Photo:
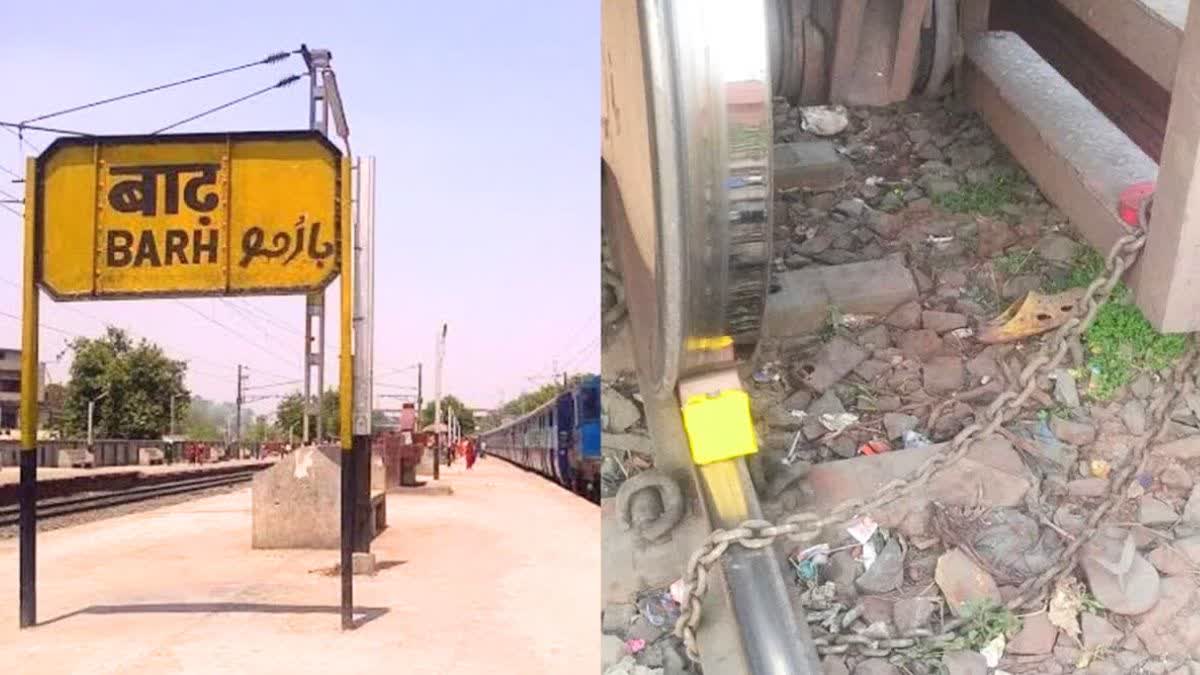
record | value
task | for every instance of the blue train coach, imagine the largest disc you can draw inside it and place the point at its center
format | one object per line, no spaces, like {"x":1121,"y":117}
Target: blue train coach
{"x":560,"y":439}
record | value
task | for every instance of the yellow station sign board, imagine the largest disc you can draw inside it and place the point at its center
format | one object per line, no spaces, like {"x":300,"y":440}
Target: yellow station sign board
{"x":185,"y":215}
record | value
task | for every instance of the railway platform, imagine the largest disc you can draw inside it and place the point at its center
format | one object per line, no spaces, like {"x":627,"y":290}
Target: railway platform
{"x":501,"y":578}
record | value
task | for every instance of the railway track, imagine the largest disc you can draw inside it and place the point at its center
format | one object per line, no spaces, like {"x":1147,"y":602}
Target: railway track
{"x":65,"y":506}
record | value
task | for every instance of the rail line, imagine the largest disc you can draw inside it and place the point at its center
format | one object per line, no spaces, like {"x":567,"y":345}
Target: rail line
{"x":65,"y":506}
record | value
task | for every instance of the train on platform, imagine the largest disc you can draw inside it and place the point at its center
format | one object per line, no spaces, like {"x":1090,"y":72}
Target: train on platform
{"x":559,"y":440}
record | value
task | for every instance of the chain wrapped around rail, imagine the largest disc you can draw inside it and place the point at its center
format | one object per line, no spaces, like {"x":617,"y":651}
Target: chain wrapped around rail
{"x":806,"y":526}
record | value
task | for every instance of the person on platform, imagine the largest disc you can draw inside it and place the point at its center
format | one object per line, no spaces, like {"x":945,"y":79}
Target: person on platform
{"x":482,"y":448}
{"x":469,"y":452}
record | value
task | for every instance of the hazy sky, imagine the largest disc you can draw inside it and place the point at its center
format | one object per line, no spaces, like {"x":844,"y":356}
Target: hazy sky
{"x":482,"y":116}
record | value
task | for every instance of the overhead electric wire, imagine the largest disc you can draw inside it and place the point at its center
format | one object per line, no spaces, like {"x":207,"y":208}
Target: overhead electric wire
{"x":272,"y":319}
{"x":10,"y":172}
{"x":51,"y":130}
{"x":272,"y":384}
{"x":11,"y":210}
{"x":42,"y":325}
{"x":269,"y":59}
{"x":278,"y":85}
{"x":21,"y":137}
{"x":230,"y":330}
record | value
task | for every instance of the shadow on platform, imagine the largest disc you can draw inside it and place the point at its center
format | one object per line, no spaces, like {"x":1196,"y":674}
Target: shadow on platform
{"x":363,"y":615}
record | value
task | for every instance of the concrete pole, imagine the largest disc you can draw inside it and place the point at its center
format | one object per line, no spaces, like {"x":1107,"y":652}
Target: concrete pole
{"x":237,"y":431}
{"x":437,"y":399}
{"x":1168,"y":273}
{"x":91,"y":410}
{"x":314,"y":303}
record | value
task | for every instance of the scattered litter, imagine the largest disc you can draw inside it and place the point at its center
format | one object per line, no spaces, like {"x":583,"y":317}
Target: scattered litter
{"x":791,"y":455}
{"x":678,"y":591}
{"x":1135,"y":491}
{"x":659,"y":608}
{"x":807,"y":563}
{"x":874,"y":448}
{"x":1100,"y":468}
{"x":915,"y":439}
{"x":940,"y":239}
{"x":838,"y":422}
{"x":769,"y":373}
{"x":798,"y":414}
{"x":1139,"y":486}
{"x":872,"y":181}
{"x":963,"y":334}
{"x":862,"y":529}
{"x":1065,"y":606}
{"x":634,"y":645}
{"x":985,"y":379}
{"x":856,"y":320}
{"x":1031,"y":314}
{"x":868,"y":555}
{"x":824,"y":120}
{"x":993,"y":651}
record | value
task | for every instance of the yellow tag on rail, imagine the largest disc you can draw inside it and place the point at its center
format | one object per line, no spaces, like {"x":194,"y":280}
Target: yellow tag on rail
{"x":719,"y":427}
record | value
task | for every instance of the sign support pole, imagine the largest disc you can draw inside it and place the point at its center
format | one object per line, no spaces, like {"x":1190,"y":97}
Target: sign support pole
{"x":346,"y":402}
{"x":29,"y":409}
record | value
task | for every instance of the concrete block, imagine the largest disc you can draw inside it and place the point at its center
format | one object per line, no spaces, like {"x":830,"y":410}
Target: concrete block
{"x":70,"y":458}
{"x":802,"y":304}
{"x":297,"y":502}
{"x":149,"y":456}
{"x":378,"y":473}
{"x":362,"y":563}
{"x":814,"y":165}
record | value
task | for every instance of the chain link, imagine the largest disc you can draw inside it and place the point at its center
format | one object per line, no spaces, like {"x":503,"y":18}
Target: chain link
{"x":805,"y":526}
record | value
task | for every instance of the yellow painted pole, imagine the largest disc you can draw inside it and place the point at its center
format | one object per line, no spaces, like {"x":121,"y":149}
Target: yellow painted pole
{"x":346,"y":401}
{"x":346,"y":362}
{"x":29,"y":406}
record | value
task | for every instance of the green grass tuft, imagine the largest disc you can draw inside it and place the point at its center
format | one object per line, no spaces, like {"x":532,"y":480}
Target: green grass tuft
{"x":984,"y":198}
{"x":1087,"y":265}
{"x":1121,"y":344}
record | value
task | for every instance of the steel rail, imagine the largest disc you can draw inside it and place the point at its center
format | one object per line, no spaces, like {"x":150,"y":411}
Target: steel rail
{"x":64,"y":506}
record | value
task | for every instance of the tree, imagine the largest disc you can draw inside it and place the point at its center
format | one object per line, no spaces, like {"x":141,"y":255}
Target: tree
{"x":289,"y":414}
{"x":466,"y":418}
{"x":136,"y":379}
{"x":205,"y":420}
{"x":530,"y":400}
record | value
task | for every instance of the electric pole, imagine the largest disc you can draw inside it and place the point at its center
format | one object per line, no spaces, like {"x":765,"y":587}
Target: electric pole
{"x":317,"y":61}
{"x":437,"y":401}
{"x":419,"y":402}
{"x":237,"y":433}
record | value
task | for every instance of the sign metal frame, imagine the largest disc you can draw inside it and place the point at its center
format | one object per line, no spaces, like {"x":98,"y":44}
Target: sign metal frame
{"x":61,"y":144}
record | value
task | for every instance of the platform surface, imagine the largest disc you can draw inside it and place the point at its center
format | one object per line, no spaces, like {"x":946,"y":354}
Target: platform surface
{"x":500,"y":579}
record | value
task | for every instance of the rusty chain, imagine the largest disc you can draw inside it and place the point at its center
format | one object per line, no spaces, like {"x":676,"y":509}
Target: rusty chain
{"x":805,"y":526}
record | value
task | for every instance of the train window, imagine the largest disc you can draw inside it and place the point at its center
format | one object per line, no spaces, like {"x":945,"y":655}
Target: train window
{"x":589,"y":403}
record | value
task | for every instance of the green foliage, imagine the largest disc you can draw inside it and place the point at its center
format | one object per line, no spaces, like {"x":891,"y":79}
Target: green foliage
{"x":1086,"y":266}
{"x":984,"y":198}
{"x":1016,"y":262}
{"x":834,"y":325}
{"x":466,"y":418}
{"x":139,"y":380}
{"x":204,"y":420}
{"x":289,"y":414}
{"x":1121,"y":344}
